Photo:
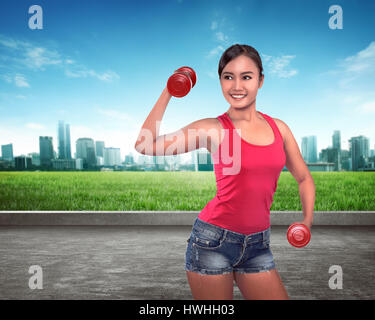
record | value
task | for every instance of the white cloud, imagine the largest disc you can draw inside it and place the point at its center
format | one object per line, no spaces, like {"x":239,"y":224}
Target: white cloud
{"x":38,"y":57}
{"x":280,"y":66}
{"x":35,"y":57}
{"x":362,"y":61}
{"x":11,"y":43}
{"x":20,"y":81}
{"x":218,"y":24}
{"x":359,"y":65}
{"x":33,"y":125}
{"x":106,"y":76}
{"x":221,"y":37}
{"x":215,"y":51}
{"x":82,"y":72}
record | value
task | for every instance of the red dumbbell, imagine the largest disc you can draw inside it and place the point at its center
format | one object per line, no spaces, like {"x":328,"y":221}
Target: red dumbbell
{"x":298,"y":235}
{"x":181,"y":81}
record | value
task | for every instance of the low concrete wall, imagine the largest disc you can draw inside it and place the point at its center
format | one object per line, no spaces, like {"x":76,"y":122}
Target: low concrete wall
{"x":105,"y":218}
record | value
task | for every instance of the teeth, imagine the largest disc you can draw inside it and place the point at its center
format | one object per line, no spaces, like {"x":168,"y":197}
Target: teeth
{"x":237,"y":97}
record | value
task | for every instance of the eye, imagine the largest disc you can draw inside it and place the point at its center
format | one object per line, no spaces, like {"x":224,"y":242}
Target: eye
{"x":226,"y":77}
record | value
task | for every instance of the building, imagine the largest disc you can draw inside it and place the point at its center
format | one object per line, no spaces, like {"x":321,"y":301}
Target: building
{"x":194,"y":159}
{"x":46,"y":151}
{"x":309,"y":149}
{"x":129,"y":159}
{"x":204,"y":160}
{"x":336,"y":140}
{"x":85,"y":150}
{"x":99,"y":148}
{"x":35,"y":158}
{"x":112,"y":157}
{"x":79,"y":164}
{"x":346,"y":160}
{"x":321,"y":166}
{"x":359,"y":149}
{"x":64,"y":164}
{"x":63,"y":137}
{"x":99,"y":161}
{"x":7,"y":152}
{"x":22,"y":162}
{"x":331,"y":155}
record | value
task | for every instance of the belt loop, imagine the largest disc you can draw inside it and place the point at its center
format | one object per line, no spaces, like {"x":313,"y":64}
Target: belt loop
{"x":225,"y":234}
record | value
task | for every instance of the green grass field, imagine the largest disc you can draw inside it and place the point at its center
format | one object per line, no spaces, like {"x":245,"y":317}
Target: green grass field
{"x":187,"y":191}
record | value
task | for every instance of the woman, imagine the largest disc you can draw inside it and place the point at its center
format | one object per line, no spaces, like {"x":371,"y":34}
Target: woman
{"x":230,"y":238}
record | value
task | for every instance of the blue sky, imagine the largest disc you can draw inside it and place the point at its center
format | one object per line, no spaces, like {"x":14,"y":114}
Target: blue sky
{"x":101,"y":66}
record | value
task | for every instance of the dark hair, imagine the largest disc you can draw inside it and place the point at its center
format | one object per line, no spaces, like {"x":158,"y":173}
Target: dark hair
{"x":238,"y":50}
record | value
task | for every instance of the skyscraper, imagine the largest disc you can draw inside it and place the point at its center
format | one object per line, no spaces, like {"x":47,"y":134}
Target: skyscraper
{"x":336,"y":145}
{"x":7,"y":152}
{"x":99,"y":148}
{"x":85,"y":149}
{"x":45,"y":151}
{"x":63,"y":136}
{"x":336,"y":140}
{"x":68,"y":151}
{"x":309,"y":149}
{"x":112,"y":157}
{"x":359,"y":149}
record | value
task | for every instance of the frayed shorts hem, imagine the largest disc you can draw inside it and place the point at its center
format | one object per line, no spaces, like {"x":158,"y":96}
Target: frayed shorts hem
{"x":208,"y":271}
{"x":256,"y":270}
{"x":226,"y":271}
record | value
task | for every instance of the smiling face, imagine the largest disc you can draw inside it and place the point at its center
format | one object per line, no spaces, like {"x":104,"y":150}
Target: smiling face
{"x":240,"y":82}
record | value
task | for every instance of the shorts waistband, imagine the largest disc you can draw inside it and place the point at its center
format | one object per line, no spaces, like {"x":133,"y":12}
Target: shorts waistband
{"x":240,"y":237}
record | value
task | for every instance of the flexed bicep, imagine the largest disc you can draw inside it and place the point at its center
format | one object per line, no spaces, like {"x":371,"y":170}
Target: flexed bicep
{"x":194,"y":136}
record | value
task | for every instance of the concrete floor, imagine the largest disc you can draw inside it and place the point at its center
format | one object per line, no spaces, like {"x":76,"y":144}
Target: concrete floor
{"x":147,"y":262}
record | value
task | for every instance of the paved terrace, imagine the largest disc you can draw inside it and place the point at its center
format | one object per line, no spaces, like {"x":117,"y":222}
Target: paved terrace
{"x":147,"y":261}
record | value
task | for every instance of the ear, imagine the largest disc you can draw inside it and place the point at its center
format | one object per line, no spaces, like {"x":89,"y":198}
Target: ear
{"x":261,"y":81}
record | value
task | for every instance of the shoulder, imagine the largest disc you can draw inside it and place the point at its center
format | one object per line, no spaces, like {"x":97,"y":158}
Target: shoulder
{"x":206,"y":127}
{"x":210,"y":123}
{"x":283,"y":128}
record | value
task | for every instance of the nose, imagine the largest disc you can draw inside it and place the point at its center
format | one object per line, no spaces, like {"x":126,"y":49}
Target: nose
{"x":237,"y":84}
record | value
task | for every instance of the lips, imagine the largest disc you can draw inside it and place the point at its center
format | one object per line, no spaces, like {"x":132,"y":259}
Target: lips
{"x":238,"y":96}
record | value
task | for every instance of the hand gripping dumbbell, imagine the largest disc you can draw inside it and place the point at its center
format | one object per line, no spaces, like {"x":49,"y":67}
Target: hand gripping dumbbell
{"x":298,"y":235}
{"x":181,"y":81}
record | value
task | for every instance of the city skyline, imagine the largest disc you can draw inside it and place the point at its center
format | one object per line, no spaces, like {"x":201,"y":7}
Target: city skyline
{"x":308,"y":148}
{"x":107,"y":62}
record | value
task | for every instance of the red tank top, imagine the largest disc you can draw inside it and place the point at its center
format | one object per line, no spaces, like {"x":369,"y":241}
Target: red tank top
{"x":246,"y":179}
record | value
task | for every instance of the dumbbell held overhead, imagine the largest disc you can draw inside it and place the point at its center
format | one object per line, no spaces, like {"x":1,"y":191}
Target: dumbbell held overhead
{"x":181,"y":81}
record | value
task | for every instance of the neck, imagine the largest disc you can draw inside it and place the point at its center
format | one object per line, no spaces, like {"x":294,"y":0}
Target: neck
{"x":247,"y":113}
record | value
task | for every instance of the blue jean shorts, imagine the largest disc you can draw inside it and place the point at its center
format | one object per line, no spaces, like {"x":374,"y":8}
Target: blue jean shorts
{"x":215,"y":250}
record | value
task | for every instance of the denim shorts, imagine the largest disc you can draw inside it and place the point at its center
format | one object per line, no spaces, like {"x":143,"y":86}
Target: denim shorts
{"x":215,"y":250}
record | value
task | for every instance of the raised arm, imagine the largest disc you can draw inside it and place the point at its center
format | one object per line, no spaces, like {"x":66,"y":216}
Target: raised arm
{"x":193,"y":136}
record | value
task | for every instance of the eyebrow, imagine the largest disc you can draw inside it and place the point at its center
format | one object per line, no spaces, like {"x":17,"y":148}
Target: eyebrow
{"x":240,"y":73}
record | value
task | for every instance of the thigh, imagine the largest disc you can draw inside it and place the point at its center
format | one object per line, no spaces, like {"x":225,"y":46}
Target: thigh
{"x":266,"y":285}
{"x":211,"y":287}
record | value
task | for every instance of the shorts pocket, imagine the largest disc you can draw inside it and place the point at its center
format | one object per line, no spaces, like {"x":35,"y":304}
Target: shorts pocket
{"x":266,"y":243}
{"x":207,"y":239}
